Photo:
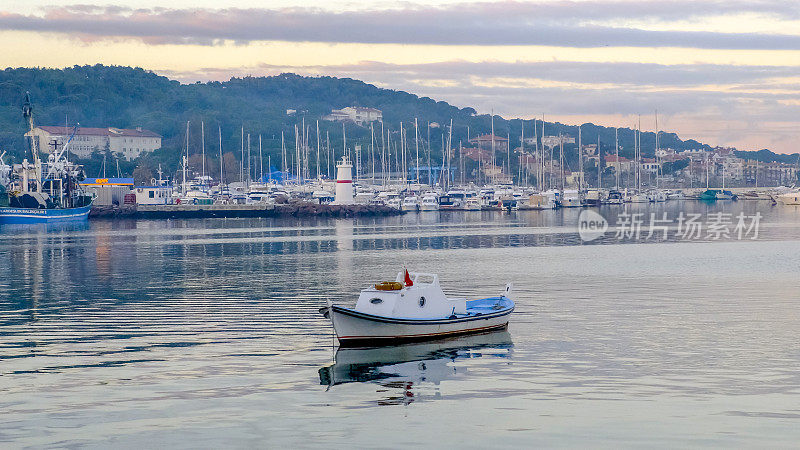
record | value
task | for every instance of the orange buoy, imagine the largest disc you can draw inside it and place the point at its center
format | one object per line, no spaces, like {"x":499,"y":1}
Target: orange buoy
{"x":389,"y":286}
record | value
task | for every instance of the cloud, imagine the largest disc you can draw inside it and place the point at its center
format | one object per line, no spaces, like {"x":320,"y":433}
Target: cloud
{"x":560,"y":23}
{"x":637,"y":78}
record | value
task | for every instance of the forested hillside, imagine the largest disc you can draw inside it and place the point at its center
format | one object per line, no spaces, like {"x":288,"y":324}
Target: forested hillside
{"x":123,"y":97}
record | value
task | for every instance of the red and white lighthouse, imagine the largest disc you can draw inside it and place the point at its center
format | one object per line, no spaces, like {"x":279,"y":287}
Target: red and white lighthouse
{"x":344,"y":183}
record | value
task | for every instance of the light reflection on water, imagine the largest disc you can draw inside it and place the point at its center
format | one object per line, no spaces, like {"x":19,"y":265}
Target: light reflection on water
{"x":179,"y":332}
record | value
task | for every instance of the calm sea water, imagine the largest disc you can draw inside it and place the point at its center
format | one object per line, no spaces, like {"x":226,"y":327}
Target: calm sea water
{"x":206,"y":333}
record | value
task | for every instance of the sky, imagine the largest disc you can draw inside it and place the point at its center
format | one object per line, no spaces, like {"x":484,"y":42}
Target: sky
{"x":725,"y":72}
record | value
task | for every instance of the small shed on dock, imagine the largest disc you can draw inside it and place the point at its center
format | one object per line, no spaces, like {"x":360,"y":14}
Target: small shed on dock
{"x":108,"y":191}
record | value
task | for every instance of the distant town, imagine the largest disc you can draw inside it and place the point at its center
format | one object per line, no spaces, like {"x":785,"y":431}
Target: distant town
{"x":541,"y":158}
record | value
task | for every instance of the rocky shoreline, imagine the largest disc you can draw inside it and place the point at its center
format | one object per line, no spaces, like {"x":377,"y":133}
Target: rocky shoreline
{"x":292,"y":209}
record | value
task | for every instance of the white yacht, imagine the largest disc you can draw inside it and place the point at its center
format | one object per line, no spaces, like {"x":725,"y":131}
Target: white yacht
{"x":410,"y":203}
{"x":430,"y":202}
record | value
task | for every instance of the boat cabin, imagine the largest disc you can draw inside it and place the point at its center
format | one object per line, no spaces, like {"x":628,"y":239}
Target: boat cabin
{"x":153,"y":195}
{"x":424,"y":299}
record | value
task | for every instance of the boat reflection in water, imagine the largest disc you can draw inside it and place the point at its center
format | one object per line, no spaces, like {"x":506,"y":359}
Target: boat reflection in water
{"x":402,"y":366}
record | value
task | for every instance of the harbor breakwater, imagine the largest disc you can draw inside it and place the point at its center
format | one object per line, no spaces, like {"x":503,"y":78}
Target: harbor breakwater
{"x":292,"y":209}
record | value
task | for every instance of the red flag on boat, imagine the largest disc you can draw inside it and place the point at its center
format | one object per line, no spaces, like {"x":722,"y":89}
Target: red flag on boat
{"x":409,"y":283}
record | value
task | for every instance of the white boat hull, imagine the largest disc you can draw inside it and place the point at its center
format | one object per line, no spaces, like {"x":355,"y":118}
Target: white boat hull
{"x":354,"y":328}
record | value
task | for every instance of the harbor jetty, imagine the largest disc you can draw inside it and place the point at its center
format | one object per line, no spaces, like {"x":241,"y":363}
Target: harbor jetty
{"x":291,"y":209}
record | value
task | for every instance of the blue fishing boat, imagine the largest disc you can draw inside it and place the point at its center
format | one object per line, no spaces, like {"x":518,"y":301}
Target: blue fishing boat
{"x":414,"y":308}
{"x":42,"y":191}
{"x":10,"y":215}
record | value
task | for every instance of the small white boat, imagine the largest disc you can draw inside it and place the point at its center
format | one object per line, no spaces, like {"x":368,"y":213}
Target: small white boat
{"x":414,"y":308}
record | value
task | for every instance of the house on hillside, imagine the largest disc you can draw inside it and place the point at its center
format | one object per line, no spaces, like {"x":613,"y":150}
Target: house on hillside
{"x":128,"y":143}
{"x":621,"y":164}
{"x":484,"y":142}
{"x":356,"y":114}
{"x":555,"y":141}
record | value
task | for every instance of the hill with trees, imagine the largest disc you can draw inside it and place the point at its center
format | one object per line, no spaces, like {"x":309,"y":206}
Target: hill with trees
{"x":124,"y":97}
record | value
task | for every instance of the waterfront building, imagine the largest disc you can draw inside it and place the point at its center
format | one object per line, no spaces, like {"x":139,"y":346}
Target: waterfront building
{"x":126,"y":143}
{"x":108,"y":191}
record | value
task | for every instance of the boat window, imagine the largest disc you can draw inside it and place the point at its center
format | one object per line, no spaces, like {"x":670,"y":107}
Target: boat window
{"x":376,"y":301}
{"x":421,"y":302}
{"x":151,"y":194}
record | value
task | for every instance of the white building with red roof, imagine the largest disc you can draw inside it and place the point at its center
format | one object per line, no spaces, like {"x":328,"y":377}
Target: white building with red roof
{"x":126,"y":143}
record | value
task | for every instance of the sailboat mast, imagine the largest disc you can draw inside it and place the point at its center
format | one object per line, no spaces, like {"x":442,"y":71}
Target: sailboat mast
{"x":416,"y":145}
{"x":203,"y":149}
{"x":493,"y":155}
{"x":616,"y":150}
{"x":403,"y":154}
{"x":344,"y":140}
{"x":383,"y":155}
{"x":580,"y":158}
{"x":561,"y":161}
{"x":508,"y":149}
{"x":221,"y":165}
{"x":318,"y":174}
{"x":658,"y":164}
{"x":297,"y":152}
{"x":283,"y":155}
{"x":599,"y":160}
{"x":328,"y":149}
{"x":449,"y":147}
{"x":185,"y":158}
{"x":260,"y":160}
{"x":522,"y":150}
{"x":372,"y":150}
